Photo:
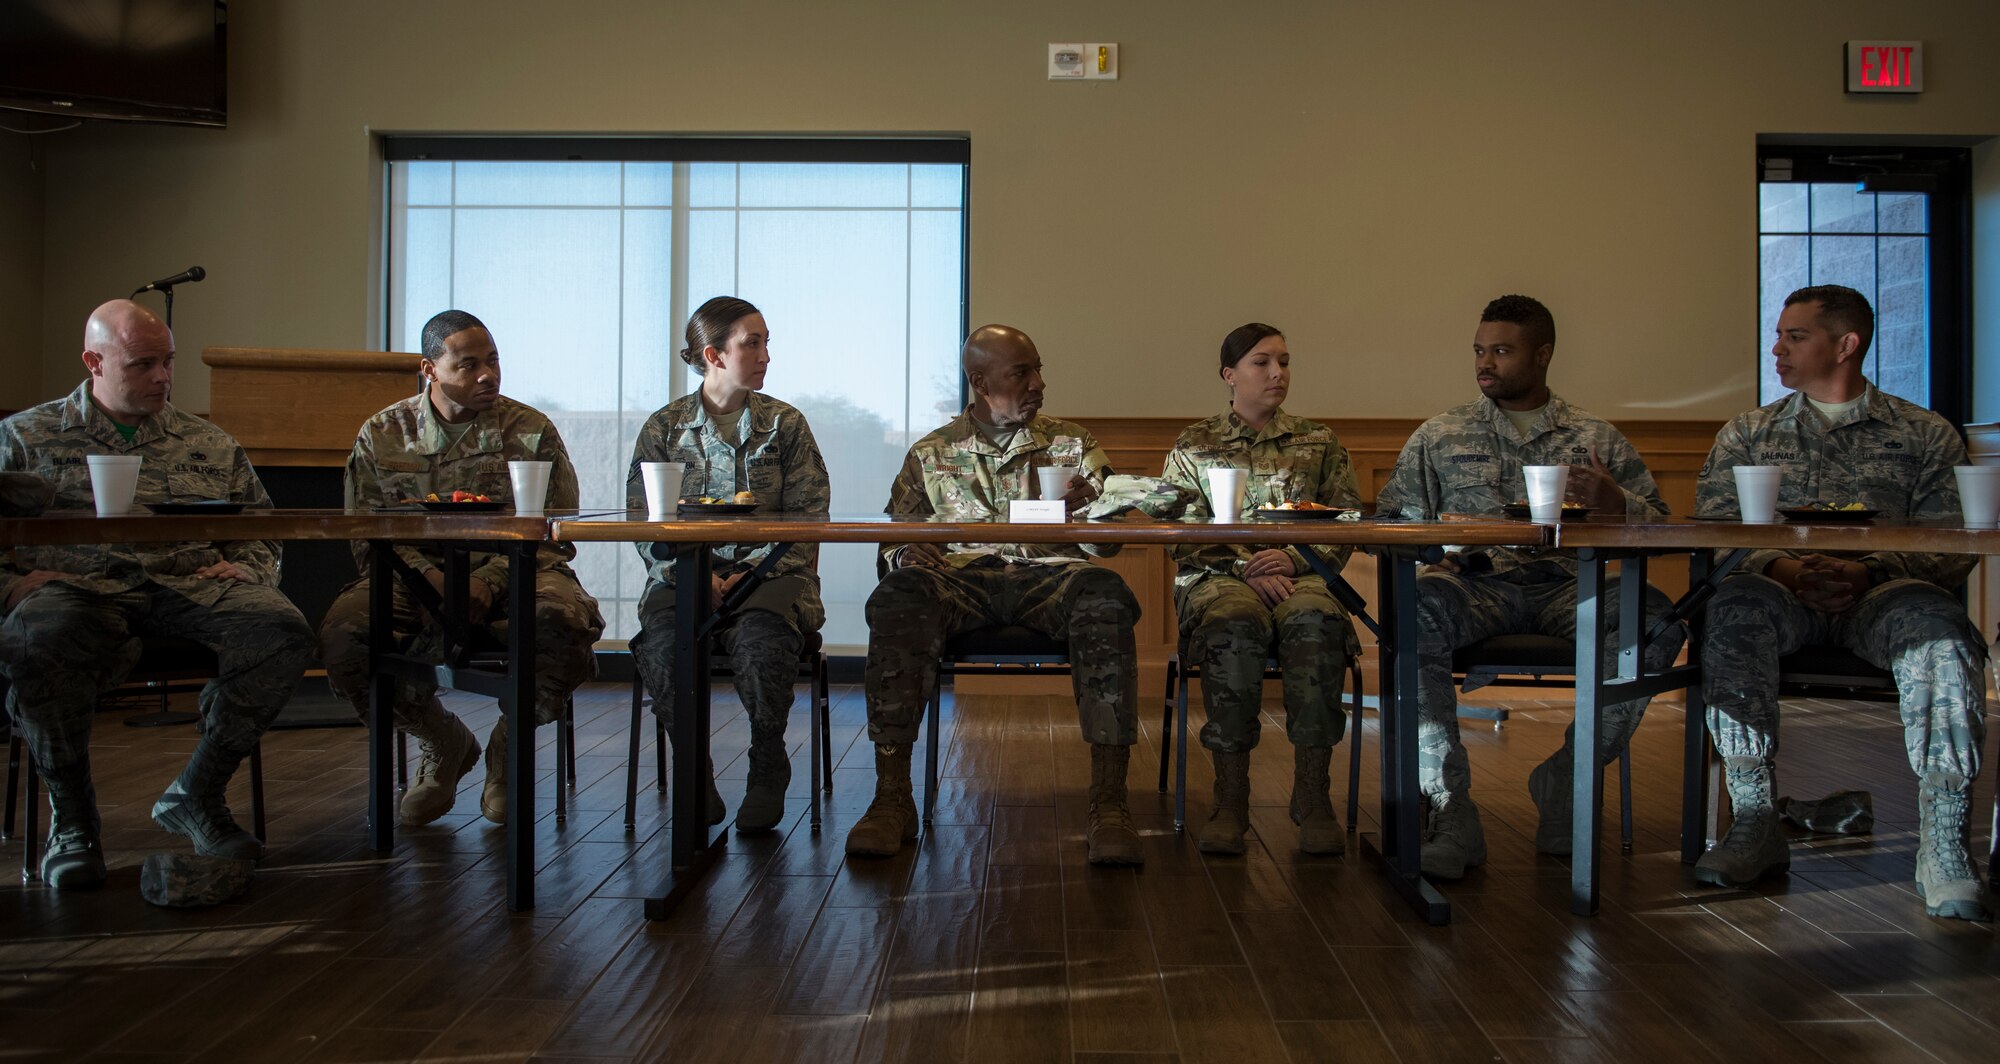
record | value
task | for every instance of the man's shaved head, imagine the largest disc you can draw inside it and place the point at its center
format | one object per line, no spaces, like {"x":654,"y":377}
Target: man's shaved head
{"x":989,"y":342}
{"x":1004,"y":371}
{"x":115,"y":325}
{"x":130,"y":355}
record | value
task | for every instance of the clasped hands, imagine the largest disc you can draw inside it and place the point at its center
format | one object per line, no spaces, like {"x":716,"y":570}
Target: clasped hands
{"x":1822,"y":582}
{"x":1269,"y":574}
{"x":478,"y":594}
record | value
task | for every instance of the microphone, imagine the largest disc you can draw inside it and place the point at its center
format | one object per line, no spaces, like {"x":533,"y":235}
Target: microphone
{"x":187,"y":276}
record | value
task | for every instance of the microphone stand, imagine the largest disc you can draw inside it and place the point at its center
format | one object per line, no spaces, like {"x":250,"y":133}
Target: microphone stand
{"x":165,"y":290}
{"x":164,"y":716}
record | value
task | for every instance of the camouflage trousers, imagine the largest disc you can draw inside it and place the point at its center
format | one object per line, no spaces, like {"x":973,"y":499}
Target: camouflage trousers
{"x":1455,"y":611}
{"x":1228,"y":632}
{"x":913,"y":611}
{"x":566,"y":625}
{"x":65,"y":646}
{"x":762,"y":639}
{"x":1914,"y":629}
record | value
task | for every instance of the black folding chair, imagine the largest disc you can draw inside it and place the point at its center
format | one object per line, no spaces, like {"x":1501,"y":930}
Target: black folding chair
{"x":1530,"y":660}
{"x":1008,"y":649}
{"x":812,"y":668}
{"x":1181,"y":671}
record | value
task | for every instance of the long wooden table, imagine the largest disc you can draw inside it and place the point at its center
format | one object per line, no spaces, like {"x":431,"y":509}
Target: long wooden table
{"x":517,"y":536}
{"x":1630,"y":541}
{"x":1403,"y":545}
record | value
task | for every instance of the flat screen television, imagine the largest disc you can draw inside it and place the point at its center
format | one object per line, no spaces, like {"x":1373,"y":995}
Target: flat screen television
{"x":126,"y":60}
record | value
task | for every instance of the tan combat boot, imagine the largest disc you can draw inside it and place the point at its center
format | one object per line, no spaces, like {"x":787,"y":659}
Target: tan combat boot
{"x":1312,"y":811}
{"x":1231,"y":816}
{"x":891,"y":819}
{"x":1754,"y":848}
{"x":1112,"y":840}
{"x":1455,"y":840}
{"x":493,"y":796}
{"x":449,"y":752}
{"x":1946,"y":879}
{"x":763,"y":803}
{"x":1550,"y":785}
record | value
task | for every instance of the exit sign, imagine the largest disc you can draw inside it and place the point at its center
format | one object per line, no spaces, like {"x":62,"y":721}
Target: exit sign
{"x":1885,"y":66}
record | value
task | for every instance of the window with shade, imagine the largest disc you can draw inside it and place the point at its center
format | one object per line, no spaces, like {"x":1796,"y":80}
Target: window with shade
{"x":585,"y":270}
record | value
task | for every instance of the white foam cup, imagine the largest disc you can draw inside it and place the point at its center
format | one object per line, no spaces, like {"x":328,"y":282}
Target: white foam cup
{"x":663,"y":486}
{"x":1979,"y":494}
{"x":1055,"y":480}
{"x":1225,"y":492}
{"x":531,"y":485}
{"x":1757,"y":492}
{"x":1545,"y":490}
{"x":114,"y":479}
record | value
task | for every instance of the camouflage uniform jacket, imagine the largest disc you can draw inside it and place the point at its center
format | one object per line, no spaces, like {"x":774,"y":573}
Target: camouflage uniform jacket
{"x":956,"y":474}
{"x":1468,"y":460}
{"x":186,"y":459}
{"x":1291,"y":459}
{"x":777,"y":460}
{"x":1887,"y":454}
{"x":404,"y":453}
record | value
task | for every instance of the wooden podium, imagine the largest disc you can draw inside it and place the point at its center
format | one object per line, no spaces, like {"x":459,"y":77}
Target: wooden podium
{"x":297,"y":412}
{"x":300,"y":408}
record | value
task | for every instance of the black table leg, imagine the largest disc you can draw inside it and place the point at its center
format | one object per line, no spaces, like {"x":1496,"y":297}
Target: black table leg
{"x":691,"y":847}
{"x":381,"y":697}
{"x":1587,"y":770}
{"x":1695,"y":809}
{"x":1402,"y":798}
{"x":519,"y":710}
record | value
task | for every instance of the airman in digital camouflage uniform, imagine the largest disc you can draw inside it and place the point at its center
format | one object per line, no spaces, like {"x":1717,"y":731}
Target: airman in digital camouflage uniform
{"x":1468,"y":460}
{"x":970,"y":469}
{"x":1235,"y":600}
{"x":1840,"y":440}
{"x":72,"y":612}
{"x":458,"y":434}
{"x":734,"y":438}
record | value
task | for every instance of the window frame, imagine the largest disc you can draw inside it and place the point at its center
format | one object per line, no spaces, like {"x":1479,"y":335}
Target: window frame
{"x":1949,"y":244}
{"x":473,"y":148}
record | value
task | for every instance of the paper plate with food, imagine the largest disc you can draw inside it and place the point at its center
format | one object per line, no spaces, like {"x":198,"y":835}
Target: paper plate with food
{"x":742,"y":502}
{"x":458,"y":502}
{"x":1306,"y":510}
{"x":1520,"y":508}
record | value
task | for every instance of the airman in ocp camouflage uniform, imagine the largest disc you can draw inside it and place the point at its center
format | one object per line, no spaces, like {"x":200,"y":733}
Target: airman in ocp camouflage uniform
{"x":72,"y":612}
{"x":762,"y":446}
{"x":1468,"y":460}
{"x":1235,"y":601}
{"x":458,"y":434}
{"x":1839,"y":440}
{"x":970,"y":470}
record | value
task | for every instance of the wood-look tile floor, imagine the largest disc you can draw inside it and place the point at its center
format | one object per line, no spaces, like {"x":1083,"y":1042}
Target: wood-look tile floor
{"x":992,"y":939}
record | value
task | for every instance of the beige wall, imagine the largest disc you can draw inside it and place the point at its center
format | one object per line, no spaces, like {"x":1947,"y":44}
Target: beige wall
{"x":1365,"y":175}
{"x":20,"y":270}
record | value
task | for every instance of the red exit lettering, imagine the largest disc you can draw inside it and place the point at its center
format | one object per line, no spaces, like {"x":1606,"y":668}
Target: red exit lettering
{"x":1886,"y":68}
